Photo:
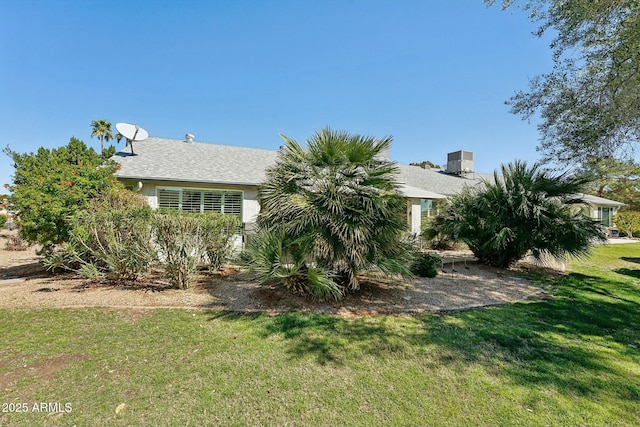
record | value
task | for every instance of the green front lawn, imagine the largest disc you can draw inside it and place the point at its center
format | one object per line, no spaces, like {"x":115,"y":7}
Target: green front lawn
{"x":573,"y":359}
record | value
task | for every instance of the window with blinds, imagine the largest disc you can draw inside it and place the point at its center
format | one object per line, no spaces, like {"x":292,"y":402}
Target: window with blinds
{"x":227,"y":202}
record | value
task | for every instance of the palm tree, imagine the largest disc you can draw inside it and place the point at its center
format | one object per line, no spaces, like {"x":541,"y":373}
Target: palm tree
{"x":340,"y":203}
{"x":101,"y":129}
{"x":526,"y":209}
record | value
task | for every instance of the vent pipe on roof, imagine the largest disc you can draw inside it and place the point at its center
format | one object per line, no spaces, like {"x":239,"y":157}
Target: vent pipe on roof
{"x":189,"y":138}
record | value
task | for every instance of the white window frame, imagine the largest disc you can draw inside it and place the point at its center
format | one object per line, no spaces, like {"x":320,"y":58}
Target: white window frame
{"x":180,"y":191}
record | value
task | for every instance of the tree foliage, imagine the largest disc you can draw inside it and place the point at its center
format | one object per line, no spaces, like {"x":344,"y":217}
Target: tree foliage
{"x":589,"y":103}
{"x":335,"y":208}
{"x":614,"y":179}
{"x":51,"y":185}
{"x":628,"y":222}
{"x":101,"y":129}
{"x":525,"y":209}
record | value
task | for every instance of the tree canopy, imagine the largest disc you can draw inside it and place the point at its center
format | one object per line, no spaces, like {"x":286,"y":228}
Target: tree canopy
{"x":50,"y":185}
{"x":589,"y":103}
{"x":614,"y":179}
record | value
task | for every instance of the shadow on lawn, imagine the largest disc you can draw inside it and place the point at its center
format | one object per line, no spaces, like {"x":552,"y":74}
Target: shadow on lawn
{"x":628,"y":272}
{"x":564,"y":343}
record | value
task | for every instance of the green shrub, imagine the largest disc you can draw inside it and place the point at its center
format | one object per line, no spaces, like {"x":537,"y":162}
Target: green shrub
{"x":52,"y":185}
{"x":110,"y":242}
{"x":526,"y":209}
{"x":179,"y":240}
{"x":342,"y":202}
{"x":628,"y":222}
{"x":425,"y":264}
{"x":273,"y":256}
{"x":434,"y":238}
{"x":218,"y":232}
{"x":3,"y":221}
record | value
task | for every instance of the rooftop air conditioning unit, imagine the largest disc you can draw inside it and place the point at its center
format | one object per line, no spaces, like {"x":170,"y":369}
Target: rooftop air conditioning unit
{"x":460,"y":162}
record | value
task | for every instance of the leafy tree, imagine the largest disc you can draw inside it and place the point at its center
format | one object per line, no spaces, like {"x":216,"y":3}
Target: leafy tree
{"x":51,"y":185}
{"x":589,"y":104}
{"x":628,"y":222}
{"x":526,"y":209}
{"x":426,"y":163}
{"x":101,"y":129}
{"x":614,"y":179}
{"x":335,"y":209}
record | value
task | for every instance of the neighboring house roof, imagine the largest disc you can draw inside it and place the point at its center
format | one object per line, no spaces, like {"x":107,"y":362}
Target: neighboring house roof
{"x":162,"y":159}
{"x":601,"y":201}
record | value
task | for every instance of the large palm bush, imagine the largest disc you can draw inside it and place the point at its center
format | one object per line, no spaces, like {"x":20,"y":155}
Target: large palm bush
{"x":335,"y":211}
{"x":526,"y":209}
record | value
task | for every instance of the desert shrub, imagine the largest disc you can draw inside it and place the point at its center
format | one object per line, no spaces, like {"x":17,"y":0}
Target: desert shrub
{"x":111,"y":242}
{"x":179,"y":240}
{"x":338,"y":198}
{"x":3,"y":221}
{"x":434,"y":238}
{"x":526,"y":209}
{"x":218,"y":232}
{"x":16,"y":243}
{"x":273,"y":257}
{"x":425,"y":264}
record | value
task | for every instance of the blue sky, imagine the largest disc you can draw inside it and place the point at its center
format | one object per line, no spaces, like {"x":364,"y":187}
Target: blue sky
{"x":434,"y":74}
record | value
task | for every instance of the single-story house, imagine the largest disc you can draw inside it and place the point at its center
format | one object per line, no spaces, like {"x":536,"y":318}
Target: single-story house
{"x":202,"y":177}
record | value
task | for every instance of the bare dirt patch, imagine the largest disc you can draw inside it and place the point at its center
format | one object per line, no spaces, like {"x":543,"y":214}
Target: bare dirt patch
{"x":44,"y":369}
{"x":467,"y":286}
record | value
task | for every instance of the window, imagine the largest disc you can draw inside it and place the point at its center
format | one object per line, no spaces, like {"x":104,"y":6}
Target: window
{"x":228,"y":202}
{"x":429,"y":208}
{"x":605,"y":215}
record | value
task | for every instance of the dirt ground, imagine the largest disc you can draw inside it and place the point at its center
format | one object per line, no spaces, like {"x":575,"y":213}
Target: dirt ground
{"x":24,"y":283}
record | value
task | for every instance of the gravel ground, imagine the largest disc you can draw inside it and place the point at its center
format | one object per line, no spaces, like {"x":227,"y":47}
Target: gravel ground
{"x":23,"y":283}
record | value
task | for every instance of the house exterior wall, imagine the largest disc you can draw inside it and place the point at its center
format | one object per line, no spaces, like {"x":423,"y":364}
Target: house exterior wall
{"x":594,"y":211}
{"x":250,"y":202}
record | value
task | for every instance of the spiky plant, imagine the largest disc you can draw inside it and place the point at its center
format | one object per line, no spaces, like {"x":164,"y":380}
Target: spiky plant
{"x":526,"y":209}
{"x":339,"y":195}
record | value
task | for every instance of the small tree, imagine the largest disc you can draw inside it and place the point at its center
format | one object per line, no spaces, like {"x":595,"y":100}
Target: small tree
{"x":526,"y":209}
{"x":101,"y":129}
{"x":51,"y":185}
{"x":628,"y":221}
{"x":340,"y":203}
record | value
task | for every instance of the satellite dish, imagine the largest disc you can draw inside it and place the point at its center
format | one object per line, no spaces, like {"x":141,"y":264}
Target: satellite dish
{"x":132,"y":133}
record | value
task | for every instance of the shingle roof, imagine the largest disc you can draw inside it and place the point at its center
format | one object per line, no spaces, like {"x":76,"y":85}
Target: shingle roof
{"x":174,"y":160}
{"x":419,"y":193}
{"x":437,"y":181}
{"x":595,"y":200}
{"x":162,"y":159}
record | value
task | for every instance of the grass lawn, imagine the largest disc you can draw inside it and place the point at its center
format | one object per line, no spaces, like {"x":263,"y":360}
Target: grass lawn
{"x":570,"y":360}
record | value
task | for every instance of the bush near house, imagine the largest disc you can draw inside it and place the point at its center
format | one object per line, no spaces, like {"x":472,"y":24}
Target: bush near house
{"x":527,"y":209}
{"x":51,"y":185}
{"x":334,"y":210}
{"x":628,"y":222}
{"x":185,"y":241}
{"x":118,"y":236}
{"x":3,"y":220}
{"x":425,"y":264}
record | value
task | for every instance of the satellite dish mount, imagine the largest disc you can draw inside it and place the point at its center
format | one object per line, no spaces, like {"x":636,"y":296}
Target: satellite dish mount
{"x":131,"y":133}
